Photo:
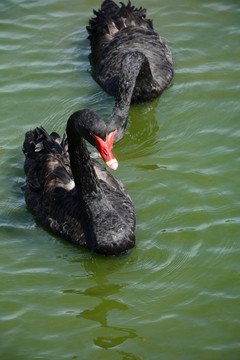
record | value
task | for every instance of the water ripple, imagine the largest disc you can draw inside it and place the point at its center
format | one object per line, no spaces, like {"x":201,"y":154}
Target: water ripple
{"x":179,"y":160}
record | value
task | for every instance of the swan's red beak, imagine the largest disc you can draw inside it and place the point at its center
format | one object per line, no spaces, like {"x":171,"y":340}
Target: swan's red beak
{"x":104,"y":148}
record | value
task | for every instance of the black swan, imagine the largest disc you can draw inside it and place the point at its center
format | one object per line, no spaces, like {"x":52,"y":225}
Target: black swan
{"x":71,"y":194}
{"x":122,"y":39}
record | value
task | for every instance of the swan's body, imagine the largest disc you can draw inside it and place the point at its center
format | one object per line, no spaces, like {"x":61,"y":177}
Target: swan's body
{"x":129,"y":60}
{"x":71,"y":194}
{"x":114,"y":33}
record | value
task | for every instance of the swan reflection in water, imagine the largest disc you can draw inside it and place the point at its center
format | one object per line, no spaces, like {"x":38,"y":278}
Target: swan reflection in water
{"x":108,"y":334}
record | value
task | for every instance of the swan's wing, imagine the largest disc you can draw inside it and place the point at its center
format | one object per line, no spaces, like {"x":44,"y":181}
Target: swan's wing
{"x":50,"y":190}
{"x":109,"y":179}
{"x":116,"y":194}
{"x":47,"y":162}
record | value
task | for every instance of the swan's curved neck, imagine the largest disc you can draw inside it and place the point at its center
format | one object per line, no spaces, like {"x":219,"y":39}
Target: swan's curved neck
{"x":86,"y":181}
{"x":104,"y":229}
{"x":87,"y":185}
{"x":131,"y":65}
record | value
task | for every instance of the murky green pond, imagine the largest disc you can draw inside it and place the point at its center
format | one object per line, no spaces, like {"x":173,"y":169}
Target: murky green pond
{"x":177,"y":294}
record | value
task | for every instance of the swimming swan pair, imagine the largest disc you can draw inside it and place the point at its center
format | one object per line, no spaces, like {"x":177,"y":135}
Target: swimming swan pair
{"x":69,"y":192}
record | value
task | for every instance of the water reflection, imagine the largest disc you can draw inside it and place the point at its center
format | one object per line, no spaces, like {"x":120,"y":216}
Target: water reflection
{"x":109,"y":309}
{"x":113,"y":335}
{"x":139,"y":139}
{"x":143,"y":114}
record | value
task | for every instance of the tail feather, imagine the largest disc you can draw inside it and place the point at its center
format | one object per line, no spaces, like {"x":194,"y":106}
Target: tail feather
{"x":46,"y":160}
{"x":112,"y":18}
{"x":109,"y":7}
{"x":38,"y":140}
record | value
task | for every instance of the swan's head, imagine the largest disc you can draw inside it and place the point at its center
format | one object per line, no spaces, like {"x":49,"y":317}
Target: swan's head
{"x":90,"y":125}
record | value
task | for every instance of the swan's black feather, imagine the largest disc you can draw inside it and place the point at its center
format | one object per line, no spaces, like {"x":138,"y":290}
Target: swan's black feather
{"x":115,"y":31}
{"x":87,"y":219}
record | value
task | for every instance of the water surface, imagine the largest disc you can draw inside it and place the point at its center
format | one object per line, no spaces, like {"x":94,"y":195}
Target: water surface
{"x":176,"y":295}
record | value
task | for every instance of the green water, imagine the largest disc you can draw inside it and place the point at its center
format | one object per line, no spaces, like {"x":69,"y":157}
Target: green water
{"x":177,"y":294}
